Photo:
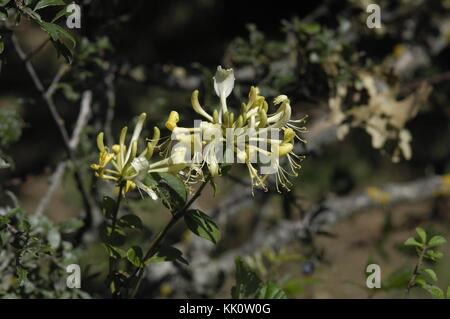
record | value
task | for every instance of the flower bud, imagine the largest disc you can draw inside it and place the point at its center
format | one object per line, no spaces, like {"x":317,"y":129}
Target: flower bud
{"x":172,"y":121}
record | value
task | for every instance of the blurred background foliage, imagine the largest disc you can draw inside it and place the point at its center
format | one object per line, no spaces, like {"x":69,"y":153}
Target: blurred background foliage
{"x":148,"y":56}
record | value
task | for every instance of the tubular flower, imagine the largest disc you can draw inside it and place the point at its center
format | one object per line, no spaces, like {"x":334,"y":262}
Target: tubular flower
{"x":123,"y":164}
{"x":255,"y":135}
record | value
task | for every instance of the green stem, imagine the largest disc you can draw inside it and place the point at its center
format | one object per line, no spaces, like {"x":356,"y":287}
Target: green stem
{"x":162,"y":234}
{"x":416,"y":271}
{"x":116,"y":210}
{"x":112,"y":263}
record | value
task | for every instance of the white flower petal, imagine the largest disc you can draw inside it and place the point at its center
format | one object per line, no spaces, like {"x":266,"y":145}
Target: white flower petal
{"x":223,"y":82}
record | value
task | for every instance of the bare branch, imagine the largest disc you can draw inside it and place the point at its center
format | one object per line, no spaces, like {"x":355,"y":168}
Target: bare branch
{"x":48,"y":98}
{"x":55,"y":179}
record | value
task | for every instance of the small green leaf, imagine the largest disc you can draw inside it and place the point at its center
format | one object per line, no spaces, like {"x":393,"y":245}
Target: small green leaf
{"x":422,"y":234}
{"x":202,"y":225}
{"x":4,"y":221}
{"x":131,"y":221}
{"x":108,"y":207}
{"x":270,"y":291}
{"x":433,"y":255}
{"x":4,"y":2}
{"x":412,"y":242}
{"x":48,"y":3}
{"x":420,"y":281}
{"x":167,"y":253}
{"x":22,"y":275}
{"x":434,"y":291}
{"x":247,"y":281}
{"x":431,"y":274}
{"x":54,"y":238}
{"x":62,"y":13}
{"x":436,"y":241}
{"x":448,"y":292}
{"x":135,"y":255}
{"x":71,"y":225}
{"x":115,"y":252}
{"x":62,"y":40}
{"x":115,"y":239}
{"x":171,"y":190}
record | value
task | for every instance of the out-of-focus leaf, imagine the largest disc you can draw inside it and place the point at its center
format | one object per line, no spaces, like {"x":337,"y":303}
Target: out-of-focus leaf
{"x":431,"y":274}
{"x":171,"y":190}
{"x":247,"y":281}
{"x":167,"y":253}
{"x":422,"y":234}
{"x":62,"y":40}
{"x":436,"y":241}
{"x":130,"y":221}
{"x":202,"y":225}
{"x":135,"y":255}
{"x":108,"y":207}
{"x":48,"y":3}
{"x":270,"y":291}
{"x":412,"y":242}
{"x":71,"y":225}
{"x":434,"y":291}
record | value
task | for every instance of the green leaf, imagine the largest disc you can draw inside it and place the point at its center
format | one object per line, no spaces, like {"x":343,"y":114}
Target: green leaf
{"x":4,"y":2}
{"x":62,"y":13}
{"x":22,"y":275}
{"x":420,"y":281}
{"x":167,"y":253}
{"x":69,"y":92}
{"x":47,"y":3}
{"x":135,"y":255}
{"x":434,"y":291}
{"x":437,"y":241}
{"x":412,"y":242}
{"x":130,"y":221}
{"x":71,"y":225}
{"x":172,"y":191}
{"x":448,"y":292}
{"x":115,"y":252}
{"x":108,"y":207}
{"x":270,"y":291}
{"x":433,"y":255}
{"x":422,"y":234}
{"x":397,"y":279}
{"x":3,"y":221}
{"x":115,"y":239}
{"x":54,"y":238}
{"x":62,"y":40}
{"x":202,"y":225}
{"x":431,"y":274}
{"x":247,"y":281}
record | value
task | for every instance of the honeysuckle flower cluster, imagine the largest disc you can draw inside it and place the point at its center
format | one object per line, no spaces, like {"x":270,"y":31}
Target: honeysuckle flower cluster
{"x":251,"y":137}
{"x":124,"y":165}
{"x":254,"y":137}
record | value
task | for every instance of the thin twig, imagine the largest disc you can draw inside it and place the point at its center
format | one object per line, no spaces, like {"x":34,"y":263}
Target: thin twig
{"x":416,"y":271}
{"x":38,"y":49}
{"x":56,"y":178}
{"x":48,"y":98}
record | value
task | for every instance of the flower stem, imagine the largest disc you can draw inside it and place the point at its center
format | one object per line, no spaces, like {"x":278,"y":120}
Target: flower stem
{"x":112,"y":263}
{"x":162,"y":234}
